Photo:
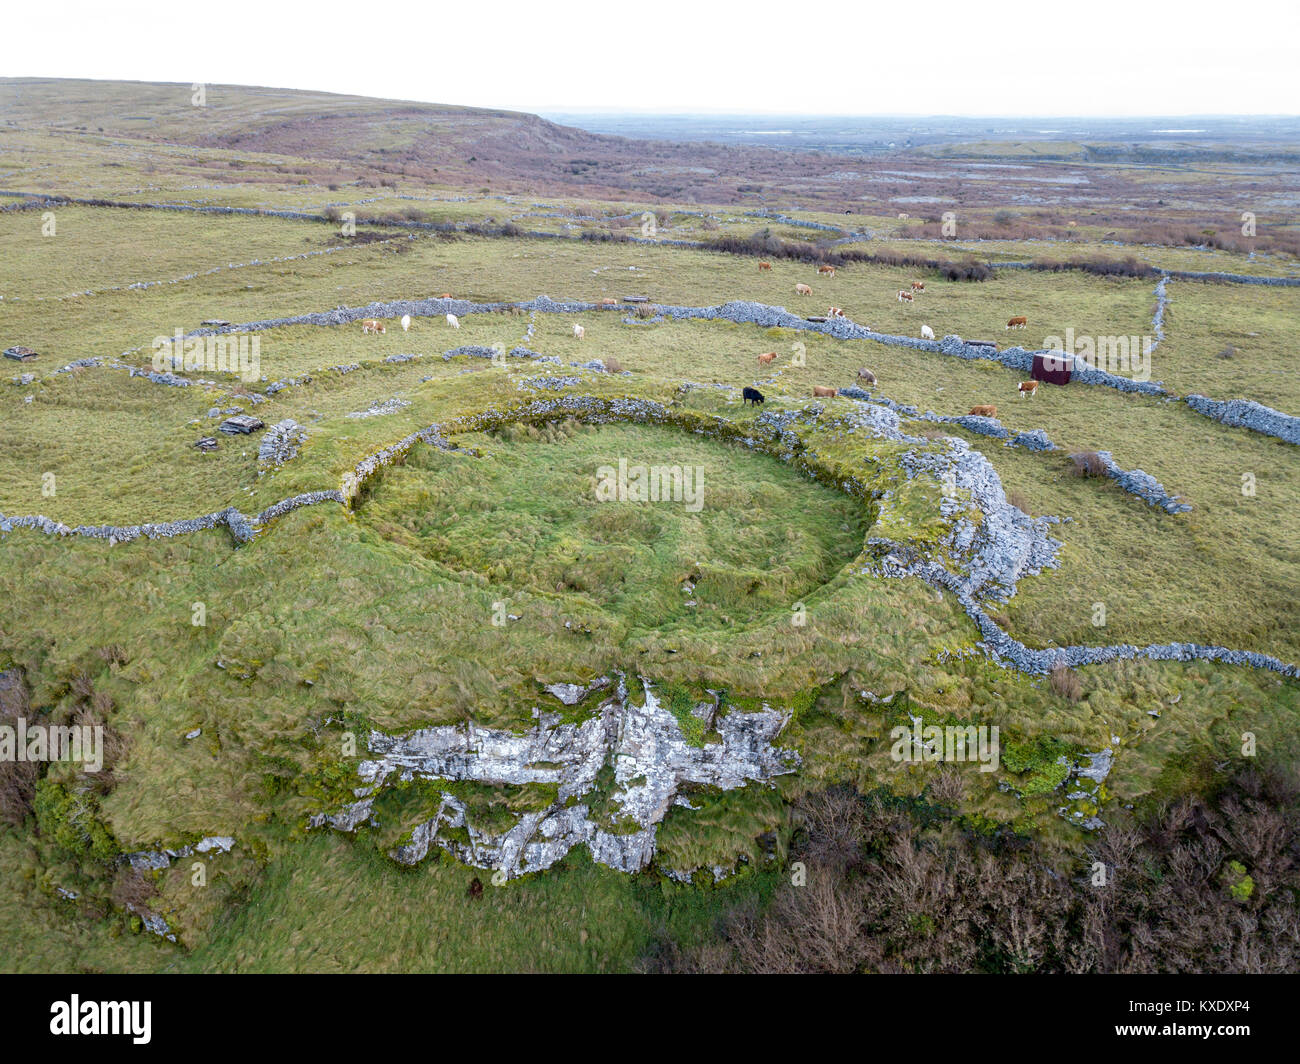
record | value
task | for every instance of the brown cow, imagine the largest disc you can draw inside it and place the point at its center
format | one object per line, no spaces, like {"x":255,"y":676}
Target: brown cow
{"x":372,"y":325}
{"x":823,"y":392}
{"x":763,"y":265}
{"x":1028,"y":388}
{"x":826,"y":269}
{"x":865,"y":374}
{"x":904,"y":297}
{"x":445,"y":295}
{"x":1017,"y":323}
{"x":609,"y":302}
{"x":918,"y":286}
{"x":834,"y":312}
{"x":803,"y":290}
{"x":769,"y":357}
{"x":983,"y":411}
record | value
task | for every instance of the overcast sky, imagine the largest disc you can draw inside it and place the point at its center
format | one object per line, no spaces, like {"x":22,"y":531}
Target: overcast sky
{"x":1032,"y":57}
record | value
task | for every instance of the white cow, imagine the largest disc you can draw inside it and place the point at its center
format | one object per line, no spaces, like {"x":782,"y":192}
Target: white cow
{"x":453,"y":321}
{"x":579,"y":331}
{"x":406,"y":322}
{"x":927,"y":333}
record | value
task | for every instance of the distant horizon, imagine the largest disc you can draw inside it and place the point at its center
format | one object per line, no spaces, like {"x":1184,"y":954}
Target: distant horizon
{"x":971,"y":116}
{"x":720,"y":58}
{"x":572,"y":110}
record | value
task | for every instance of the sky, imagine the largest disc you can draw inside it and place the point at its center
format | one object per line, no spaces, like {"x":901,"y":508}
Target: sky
{"x":1006,"y":57}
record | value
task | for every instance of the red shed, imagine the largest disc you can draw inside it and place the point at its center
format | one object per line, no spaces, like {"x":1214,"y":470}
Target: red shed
{"x":1053,"y":367}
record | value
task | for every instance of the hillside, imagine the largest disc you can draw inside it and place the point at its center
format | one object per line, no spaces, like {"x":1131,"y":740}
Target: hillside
{"x":478,"y":548}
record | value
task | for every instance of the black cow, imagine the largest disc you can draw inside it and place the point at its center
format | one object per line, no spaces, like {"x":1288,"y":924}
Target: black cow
{"x":752,"y":395}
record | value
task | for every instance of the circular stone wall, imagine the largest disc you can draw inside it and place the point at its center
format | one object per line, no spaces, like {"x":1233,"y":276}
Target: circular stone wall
{"x":655,"y":526}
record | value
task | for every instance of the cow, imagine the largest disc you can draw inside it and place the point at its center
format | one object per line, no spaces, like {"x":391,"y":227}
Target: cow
{"x":904,"y":297}
{"x":903,"y":216}
{"x":751,"y":395}
{"x":834,"y":312}
{"x":579,"y":331}
{"x":767,"y":358}
{"x":918,"y":286}
{"x":453,"y":321}
{"x":865,"y":374}
{"x":373,"y":325}
{"x":764,"y":265}
{"x":983,"y":411}
{"x":1028,"y":389}
{"x":802,"y":290}
{"x":927,"y":333}
{"x":824,"y":392}
{"x":406,"y":323}
{"x":1017,"y":323}
{"x":609,"y":302}
{"x":476,"y":888}
{"x":827,"y":269}
{"x":445,"y":295}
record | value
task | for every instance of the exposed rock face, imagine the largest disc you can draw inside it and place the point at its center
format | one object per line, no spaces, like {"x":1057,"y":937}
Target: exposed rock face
{"x":281,"y":443}
{"x":643,"y":744}
{"x":240,"y":423}
{"x":1143,"y":485}
{"x":1247,"y":414}
{"x":378,"y":409}
{"x":1005,"y":544}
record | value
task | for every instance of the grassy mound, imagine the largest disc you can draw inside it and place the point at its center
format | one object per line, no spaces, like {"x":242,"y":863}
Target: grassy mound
{"x":738,"y":535}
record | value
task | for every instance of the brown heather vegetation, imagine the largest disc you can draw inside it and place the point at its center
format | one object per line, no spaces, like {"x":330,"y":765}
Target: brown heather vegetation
{"x":1065,"y":682}
{"x":895,"y":885}
{"x":1088,"y":464}
{"x":17,"y":778}
{"x":764,"y":244}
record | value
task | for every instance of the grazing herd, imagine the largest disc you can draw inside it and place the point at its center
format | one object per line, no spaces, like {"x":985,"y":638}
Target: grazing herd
{"x":1027,"y":389}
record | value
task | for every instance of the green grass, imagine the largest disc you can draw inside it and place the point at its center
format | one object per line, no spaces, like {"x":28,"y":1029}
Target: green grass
{"x":1255,"y":321}
{"x":527,"y":515}
{"x":382,"y":616}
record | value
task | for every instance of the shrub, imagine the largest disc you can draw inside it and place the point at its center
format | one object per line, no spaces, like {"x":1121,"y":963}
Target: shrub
{"x":1064,"y":682}
{"x":71,"y":821}
{"x":17,"y":778}
{"x":1088,"y":464}
{"x":1198,"y":884}
{"x":613,"y":365}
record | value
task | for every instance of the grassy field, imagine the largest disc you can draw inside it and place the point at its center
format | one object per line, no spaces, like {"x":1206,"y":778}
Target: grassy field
{"x":380,"y":614}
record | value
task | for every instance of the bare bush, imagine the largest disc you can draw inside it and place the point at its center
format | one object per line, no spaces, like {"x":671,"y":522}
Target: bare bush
{"x":1064,"y":681}
{"x":1198,"y":884}
{"x":17,"y":778}
{"x":1088,"y":464}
